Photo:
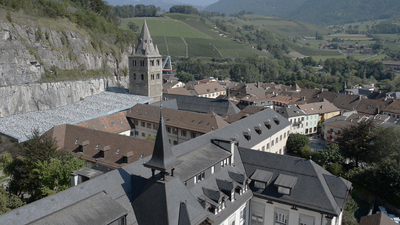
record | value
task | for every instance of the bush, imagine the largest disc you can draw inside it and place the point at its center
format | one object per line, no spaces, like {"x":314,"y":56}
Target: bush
{"x":296,"y":142}
{"x":305,"y":151}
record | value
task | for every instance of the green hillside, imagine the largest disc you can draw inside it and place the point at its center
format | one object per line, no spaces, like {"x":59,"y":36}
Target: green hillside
{"x":344,"y":11}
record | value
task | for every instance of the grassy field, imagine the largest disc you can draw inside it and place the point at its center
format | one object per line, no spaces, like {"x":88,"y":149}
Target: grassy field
{"x":184,"y":35}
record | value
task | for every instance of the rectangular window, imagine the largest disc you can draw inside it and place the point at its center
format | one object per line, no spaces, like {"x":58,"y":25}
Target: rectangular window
{"x":272,"y":143}
{"x":243,"y":214}
{"x":169,"y":129}
{"x":260,"y":185}
{"x":143,"y":124}
{"x":268,"y":146}
{"x":276,"y":140}
{"x":134,"y":62}
{"x":155,"y":126}
{"x":136,"y":133}
{"x":193,"y":135}
{"x":183,"y":133}
{"x":149,"y":125}
{"x":212,"y":169}
{"x":306,"y":220}
{"x":158,"y":76}
{"x":284,"y":135}
{"x":281,"y":217}
{"x":263,"y":148}
{"x":175,"y":142}
{"x":175,"y":131}
{"x":143,"y":135}
{"x":280,"y":138}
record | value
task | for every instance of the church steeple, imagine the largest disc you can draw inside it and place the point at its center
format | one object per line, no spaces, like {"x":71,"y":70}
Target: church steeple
{"x":146,"y":46}
{"x":162,"y":159}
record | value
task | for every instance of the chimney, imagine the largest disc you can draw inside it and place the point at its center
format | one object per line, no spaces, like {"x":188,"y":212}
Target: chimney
{"x":83,"y":146}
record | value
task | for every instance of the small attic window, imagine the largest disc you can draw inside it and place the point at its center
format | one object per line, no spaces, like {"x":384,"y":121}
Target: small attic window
{"x":95,"y":128}
{"x":121,"y":121}
{"x":247,"y":136}
{"x":118,"y":150}
{"x":267,"y":125}
{"x":258,"y":130}
{"x":113,"y":123}
{"x":276,"y":121}
{"x":104,"y":125}
{"x":97,"y":146}
{"x":77,"y":140}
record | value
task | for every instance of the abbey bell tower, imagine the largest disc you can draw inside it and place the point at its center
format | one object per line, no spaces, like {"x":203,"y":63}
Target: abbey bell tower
{"x":145,"y":68}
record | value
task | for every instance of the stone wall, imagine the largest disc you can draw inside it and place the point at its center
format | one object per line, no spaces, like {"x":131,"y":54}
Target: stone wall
{"x":15,"y":99}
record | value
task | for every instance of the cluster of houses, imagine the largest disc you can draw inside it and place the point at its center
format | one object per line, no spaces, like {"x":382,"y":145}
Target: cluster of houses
{"x":208,"y":152}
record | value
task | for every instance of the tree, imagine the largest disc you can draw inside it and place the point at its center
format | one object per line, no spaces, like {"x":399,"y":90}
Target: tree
{"x":133,"y":26}
{"x":8,"y":201}
{"x":184,"y":77}
{"x":356,"y":142}
{"x":38,"y":159}
{"x":55,"y":175}
{"x":296,"y":142}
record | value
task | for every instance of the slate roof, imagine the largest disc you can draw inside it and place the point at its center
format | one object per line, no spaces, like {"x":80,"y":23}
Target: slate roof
{"x":162,"y":158}
{"x":97,"y":209}
{"x":114,"y":123}
{"x":241,"y":90}
{"x":290,"y":111}
{"x":203,"y":105}
{"x":372,"y":106}
{"x":203,"y":123}
{"x":70,"y":137}
{"x":393,"y":107}
{"x":248,"y":111}
{"x":262,"y":175}
{"x":341,"y":101}
{"x":312,"y":190}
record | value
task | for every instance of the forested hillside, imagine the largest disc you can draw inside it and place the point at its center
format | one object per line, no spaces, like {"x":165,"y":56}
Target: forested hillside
{"x":322,"y":12}
{"x":260,"y":7}
{"x":344,"y":11}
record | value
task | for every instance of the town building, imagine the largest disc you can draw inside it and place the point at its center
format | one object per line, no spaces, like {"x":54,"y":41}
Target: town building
{"x":295,"y":116}
{"x":207,"y":90}
{"x":145,"y":68}
{"x":312,"y":118}
{"x":207,"y":180}
{"x":181,"y":125}
{"x":203,"y":105}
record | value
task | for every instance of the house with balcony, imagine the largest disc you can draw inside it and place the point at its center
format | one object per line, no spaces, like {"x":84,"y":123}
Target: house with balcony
{"x":295,"y":116}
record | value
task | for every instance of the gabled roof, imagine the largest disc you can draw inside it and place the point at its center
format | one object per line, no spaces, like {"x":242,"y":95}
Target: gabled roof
{"x":70,"y":137}
{"x":262,"y":175}
{"x":341,"y":101}
{"x":393,"y":107}
{"x":97,"y":209}
{"x":162,"y":158}
{"x":203,"y":105}
{"x":177,"y":91}
{"x":114,"y":123}
{"x":248,"y":111}
{"x":312,"y":190}
{"x":290,"y":111}
{"x":199,"y":122}
{"x":207,"y":88}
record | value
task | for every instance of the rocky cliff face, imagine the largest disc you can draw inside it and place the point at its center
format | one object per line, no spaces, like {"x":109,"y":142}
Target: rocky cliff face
{"x":30,"y":47}
{"x":17,"y":99}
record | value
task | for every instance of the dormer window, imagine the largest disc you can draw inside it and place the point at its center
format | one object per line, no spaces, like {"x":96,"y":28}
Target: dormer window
{"x":258,"y":184}
{"x":77,"y":140}
{"x":276,"y":121}
{"x":267,"y":125}
{"x":285,"y":184}
{"x":247,"y":136}
{"x":258,"y":130}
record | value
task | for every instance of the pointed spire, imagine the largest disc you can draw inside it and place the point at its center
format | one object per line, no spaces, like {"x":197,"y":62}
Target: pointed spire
{"x":145,"y":46}
{"x":162,"y":159}
{"x":183,"y":215}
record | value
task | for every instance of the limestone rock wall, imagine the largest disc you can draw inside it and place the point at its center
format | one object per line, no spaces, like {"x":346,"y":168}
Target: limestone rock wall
{"x":15,"y":99}
{"x":30,"y":47}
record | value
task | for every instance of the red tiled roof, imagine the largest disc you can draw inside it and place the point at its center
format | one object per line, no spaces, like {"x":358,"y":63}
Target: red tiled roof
{"x":70,"y":137}
{"x":177,"y":118}
{"x":114,"y":123}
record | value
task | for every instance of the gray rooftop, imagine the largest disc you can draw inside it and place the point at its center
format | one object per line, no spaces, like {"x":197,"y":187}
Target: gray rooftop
{"x":97,"y":209}
{"x":21,"y":126}
{"x":286,"y":181}
{"x":262,"y":175}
